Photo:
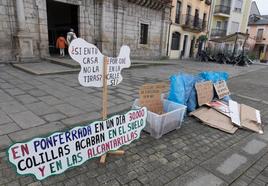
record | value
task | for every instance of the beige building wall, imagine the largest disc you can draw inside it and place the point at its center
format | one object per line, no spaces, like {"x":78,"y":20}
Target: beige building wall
{"x":233,"y":17}
{"x":247,"y":9}
{"x":195,"y":4}
{"x":259,"y":45}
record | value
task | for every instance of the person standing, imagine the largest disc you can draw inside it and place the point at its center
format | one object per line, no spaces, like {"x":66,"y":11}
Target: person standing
{"x":71,"y":36}
{"x":61,"y":44}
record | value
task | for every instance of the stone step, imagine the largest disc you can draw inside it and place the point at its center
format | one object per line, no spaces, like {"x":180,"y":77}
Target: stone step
{"x":66,"y":61}
{"x":44,"y":68}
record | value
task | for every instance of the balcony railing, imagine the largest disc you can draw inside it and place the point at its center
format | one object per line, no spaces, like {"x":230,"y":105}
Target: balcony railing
{"x":218,"y":32}
{"x":192,"y":23}
{"x":259,"y":38}
{"x":221,"y":9}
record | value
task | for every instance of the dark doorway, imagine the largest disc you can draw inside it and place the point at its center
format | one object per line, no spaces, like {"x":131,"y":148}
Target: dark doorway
{"x":260,"y":51}
{"x":184,"y":46}
{"x":192,"y":47}
{"x":60,"y":18}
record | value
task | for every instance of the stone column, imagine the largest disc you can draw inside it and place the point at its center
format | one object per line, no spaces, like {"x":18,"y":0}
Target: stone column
{"x":24,"y":39}
{"x":20,"y":15}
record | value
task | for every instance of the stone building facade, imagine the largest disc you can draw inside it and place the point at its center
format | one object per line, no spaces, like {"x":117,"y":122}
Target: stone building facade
{"x":29,"y":28}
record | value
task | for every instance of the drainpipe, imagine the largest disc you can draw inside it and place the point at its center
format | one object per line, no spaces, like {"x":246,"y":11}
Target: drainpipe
{"x":170,"y":23}
{"x":209,"y":21}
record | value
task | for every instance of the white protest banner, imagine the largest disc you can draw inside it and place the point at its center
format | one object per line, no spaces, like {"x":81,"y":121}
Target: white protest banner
{"x":56,"y":153}
{"x":91,"y":61}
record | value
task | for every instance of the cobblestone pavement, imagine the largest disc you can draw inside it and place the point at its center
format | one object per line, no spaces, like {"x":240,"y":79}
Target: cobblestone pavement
{"x":195,"y":154}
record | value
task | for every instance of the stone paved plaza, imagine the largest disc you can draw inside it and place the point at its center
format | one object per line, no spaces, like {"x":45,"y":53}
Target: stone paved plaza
{"x":195,"y":154}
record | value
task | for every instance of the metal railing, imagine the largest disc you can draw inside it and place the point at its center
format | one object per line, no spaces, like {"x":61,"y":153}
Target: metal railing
{"x":193,"y":23}
{"x":218,"y":32}
{"x":259,"y":38}
{"x":222,"y":9}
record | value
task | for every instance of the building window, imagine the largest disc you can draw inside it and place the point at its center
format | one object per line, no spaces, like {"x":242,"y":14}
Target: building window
{"x":238,"y":5}
{"x":218,"y":25}
{"x":204,"y":21}
{"x":259,"y":34}
{"x":176,"y":38}
{"x":234,"y":27}
{"x":144,"y":34}
{"x":225,"y":25}
{"x":178,"y":12}
{"x":188,"y":15}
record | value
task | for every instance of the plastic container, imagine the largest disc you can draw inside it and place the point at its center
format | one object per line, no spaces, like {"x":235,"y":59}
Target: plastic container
{"x":158,"y":125}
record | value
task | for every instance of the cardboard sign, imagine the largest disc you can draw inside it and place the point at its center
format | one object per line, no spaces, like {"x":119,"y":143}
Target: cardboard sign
{"x":214,"y":119}
{"x":221,"y":89}
{"x":150,"y":96}
{"x":56,"y":153}
{"x":204,"y":92}
{"x":91,"y":61}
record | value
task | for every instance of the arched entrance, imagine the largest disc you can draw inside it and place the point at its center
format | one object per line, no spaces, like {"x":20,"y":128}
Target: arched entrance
{"x":60,"y":18}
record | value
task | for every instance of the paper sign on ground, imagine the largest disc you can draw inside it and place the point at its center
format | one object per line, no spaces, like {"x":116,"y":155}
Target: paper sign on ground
{"x":220,"y":106}
{"x":204,"y":92}
{"x":150,"y":96}
{"x":221,"y":89}
{"x":234,"y":108}
{"x":214,"y":119}
{"x":91,"y":61}
{"x":56,"y":153}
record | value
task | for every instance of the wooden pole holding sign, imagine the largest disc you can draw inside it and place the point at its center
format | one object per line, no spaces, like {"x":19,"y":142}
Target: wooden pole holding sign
{"x":105,"y":106}
{"x":104,"y":98}
{"x":104,"y":89}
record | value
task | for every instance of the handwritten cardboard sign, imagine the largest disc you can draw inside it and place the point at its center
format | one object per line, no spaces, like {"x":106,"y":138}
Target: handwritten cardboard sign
{"x":204,"y":92}
{"x":221,"y":89}
{"x":150,"y":96}
{"x":56,"y":153}
{"x":91,"y":61}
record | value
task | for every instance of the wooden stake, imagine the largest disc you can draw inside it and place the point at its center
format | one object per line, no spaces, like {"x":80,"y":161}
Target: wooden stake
{"x":104,"y":90}
{"x":105,"y":107}
{"x":104,"y":98}
{"x":117,"y":152}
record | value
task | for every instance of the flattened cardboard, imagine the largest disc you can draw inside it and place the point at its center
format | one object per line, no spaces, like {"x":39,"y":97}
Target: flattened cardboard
{"x":150,"y":96}
{"x":221,"y":89}
{"x":214,"y":119}
{"x":250,"y":118}
{"x":204,"y":92}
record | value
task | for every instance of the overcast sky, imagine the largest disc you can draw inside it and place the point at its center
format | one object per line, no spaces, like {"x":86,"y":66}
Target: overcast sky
{"x":263,"y":6}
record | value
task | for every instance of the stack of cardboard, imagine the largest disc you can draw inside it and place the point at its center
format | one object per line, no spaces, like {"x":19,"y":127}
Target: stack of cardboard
{"x":224,"y":116}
